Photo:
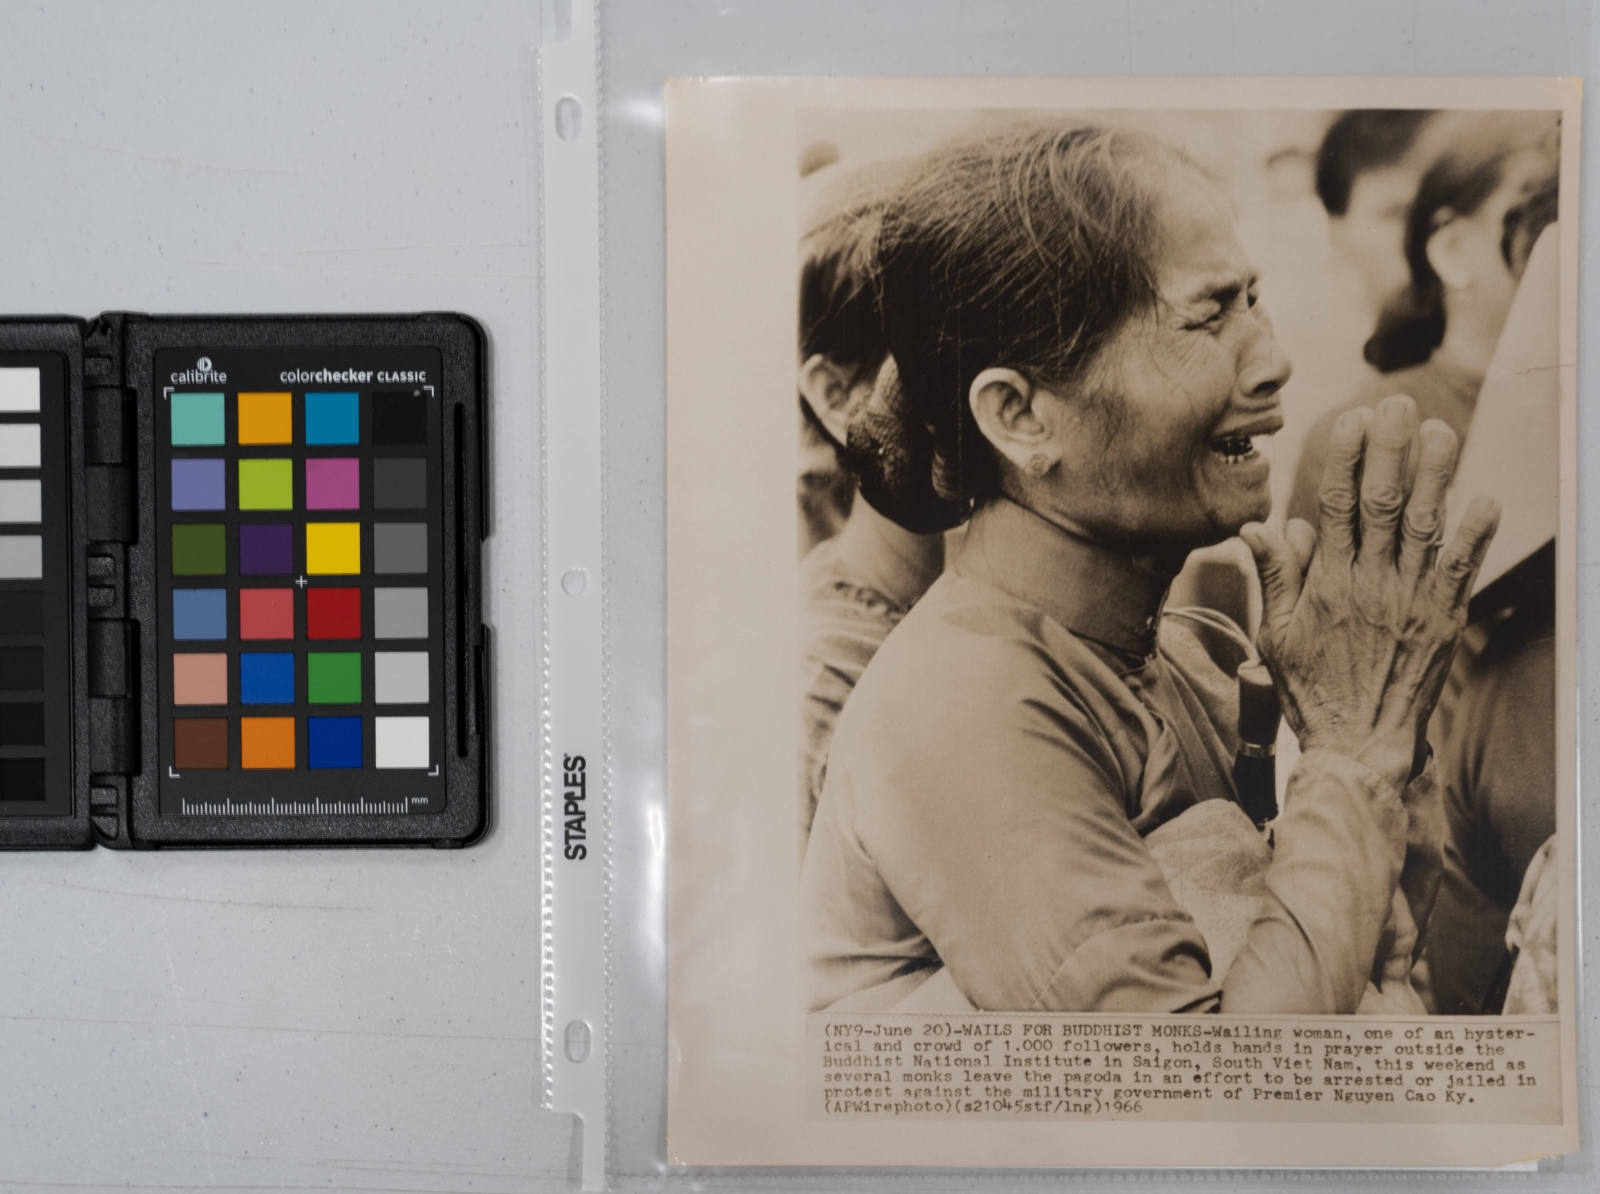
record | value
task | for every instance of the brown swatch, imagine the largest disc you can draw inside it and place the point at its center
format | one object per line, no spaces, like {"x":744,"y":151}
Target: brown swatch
{"x":200,"y":743}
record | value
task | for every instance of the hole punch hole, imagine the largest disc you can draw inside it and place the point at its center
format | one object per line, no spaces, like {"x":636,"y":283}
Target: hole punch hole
{"x":577,"y":1042}
{"x":574,"y":581}
{"x":569,"y":118}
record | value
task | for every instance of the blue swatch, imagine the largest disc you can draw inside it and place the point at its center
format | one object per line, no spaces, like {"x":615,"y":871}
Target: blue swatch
{"x":334,"y":741}
{"x":199,"y":484}
{"x":199,"y":614}
{"x":266,"y":678}
{"x":333,"y":419}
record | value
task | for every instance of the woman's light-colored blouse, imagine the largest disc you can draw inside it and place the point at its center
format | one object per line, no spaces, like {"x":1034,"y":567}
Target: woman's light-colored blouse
{"x":994,"y":775}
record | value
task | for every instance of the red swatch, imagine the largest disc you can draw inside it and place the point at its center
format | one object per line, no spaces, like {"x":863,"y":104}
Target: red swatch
{"x":333,"y":613}
{"x":266,"y":613}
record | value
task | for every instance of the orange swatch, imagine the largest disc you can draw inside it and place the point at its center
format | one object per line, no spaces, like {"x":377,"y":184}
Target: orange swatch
{"x":266,"y":743}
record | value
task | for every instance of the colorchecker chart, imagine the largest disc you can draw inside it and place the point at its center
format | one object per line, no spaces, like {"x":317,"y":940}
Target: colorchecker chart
{"x":299,"y":589}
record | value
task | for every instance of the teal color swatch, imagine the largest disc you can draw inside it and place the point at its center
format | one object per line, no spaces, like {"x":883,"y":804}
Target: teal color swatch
{"x":198,"y":420}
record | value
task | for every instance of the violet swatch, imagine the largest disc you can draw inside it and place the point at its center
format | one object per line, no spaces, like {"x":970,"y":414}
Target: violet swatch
{"x":199,"y":484}
{"x":266,"y":549}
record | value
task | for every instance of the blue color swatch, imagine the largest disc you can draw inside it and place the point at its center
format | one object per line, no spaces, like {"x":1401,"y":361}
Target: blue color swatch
{"x":199,"y":484}
{"x":334,"y":742}
{"x":266,"y":678}
{"x":333,"y":419}
{"x":199,"y":614}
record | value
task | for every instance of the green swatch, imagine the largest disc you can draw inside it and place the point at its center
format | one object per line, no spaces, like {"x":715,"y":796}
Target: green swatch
{"x":199,"y":549}
{"x":333,"y":677}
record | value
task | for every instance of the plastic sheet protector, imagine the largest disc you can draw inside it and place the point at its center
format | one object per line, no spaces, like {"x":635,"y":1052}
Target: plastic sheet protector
{"x":1064,"y":618}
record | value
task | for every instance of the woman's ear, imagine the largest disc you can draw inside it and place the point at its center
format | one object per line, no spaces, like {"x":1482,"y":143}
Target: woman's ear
{"x":1016,"y":417}
{"x":825,"y":387}
{"x":1447,"y":251}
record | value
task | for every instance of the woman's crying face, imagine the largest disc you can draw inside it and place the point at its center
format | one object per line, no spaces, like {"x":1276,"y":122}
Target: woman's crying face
{"x":1161,"y":446}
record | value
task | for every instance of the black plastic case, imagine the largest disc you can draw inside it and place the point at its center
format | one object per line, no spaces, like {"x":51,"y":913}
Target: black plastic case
{"x":107,"y":630}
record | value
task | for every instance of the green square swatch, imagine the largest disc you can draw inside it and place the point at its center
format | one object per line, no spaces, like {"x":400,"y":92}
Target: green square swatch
{"x":266,"y":485}
{"x":199,"y":549}
{"x":197,"y":420}
{"x":333,"y":677}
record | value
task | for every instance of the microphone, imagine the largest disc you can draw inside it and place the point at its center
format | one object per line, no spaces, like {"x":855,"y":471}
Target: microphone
{"x":1254,"y":768}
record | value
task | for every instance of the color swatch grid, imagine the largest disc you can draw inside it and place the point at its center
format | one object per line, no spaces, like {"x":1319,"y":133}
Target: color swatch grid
{"x":299,"y":564}
{"x":22,"y":594}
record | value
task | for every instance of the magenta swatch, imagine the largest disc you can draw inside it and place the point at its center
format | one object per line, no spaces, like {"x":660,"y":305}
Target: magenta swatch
{"x":333,"y":483}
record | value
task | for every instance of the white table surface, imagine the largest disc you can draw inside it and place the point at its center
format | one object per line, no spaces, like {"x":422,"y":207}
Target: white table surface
{"x":362,"y":1020}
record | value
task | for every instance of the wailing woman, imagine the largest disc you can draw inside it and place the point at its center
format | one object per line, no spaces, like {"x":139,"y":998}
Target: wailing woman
{"x":1085,"y":372}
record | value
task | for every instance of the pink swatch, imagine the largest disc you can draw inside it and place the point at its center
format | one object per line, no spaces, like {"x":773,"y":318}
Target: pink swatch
{"x":333,"y":483}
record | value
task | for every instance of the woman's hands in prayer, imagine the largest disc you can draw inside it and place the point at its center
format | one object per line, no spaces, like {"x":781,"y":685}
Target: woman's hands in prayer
{"x":1360,"y":617}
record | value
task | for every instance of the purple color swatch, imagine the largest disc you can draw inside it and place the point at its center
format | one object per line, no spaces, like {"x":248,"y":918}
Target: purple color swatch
{"x":333,"y":483}
{"x":266,"y":549}
{"x":199,"y":485}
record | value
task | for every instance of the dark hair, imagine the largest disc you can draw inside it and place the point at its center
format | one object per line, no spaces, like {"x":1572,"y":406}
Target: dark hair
{"x":1360,"y":140}
{"x":1466,"y":172}
{"x":1028,"y":249}
{"x":1525,"y":221}
{"x":839,"y":291}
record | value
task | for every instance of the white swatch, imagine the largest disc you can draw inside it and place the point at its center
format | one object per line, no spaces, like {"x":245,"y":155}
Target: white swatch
{"x":19,"y":390}
{"x":402,"y":741}
{"x":19,"y":445}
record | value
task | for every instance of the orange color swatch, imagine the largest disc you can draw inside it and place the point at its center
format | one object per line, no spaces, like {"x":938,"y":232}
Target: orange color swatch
{"x":266,"y":743}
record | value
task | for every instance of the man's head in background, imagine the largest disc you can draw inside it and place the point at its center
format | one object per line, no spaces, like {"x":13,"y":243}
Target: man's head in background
{"x":841,"y":334}
{"x":1368,"y":167}
{"x":841,"y":342}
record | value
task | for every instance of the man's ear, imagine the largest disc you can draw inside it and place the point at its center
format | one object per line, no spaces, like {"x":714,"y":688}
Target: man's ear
{"x":1016,"y":417}
{"x":825,"y":387}
{"x":1447,"y":251}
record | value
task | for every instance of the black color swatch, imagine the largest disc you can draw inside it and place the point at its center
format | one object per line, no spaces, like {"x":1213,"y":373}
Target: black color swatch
{"x":21,"y":613}
{"x":21,"y":669}
{"x":399,"y":418}
{"x":21,"y":779}
{"x":21,"y":723}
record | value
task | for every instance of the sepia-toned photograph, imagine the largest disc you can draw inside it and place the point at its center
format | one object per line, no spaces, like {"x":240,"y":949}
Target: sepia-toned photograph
{"x":1128,"y":444}
{"x":1168,"y":637}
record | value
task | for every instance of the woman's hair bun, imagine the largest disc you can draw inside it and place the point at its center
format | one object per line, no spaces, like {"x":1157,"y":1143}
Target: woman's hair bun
{"x":899,"y":469}
{"x":1410,"y":327}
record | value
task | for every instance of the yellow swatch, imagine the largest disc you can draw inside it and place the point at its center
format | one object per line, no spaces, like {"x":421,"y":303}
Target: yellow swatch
{"x":333,"y":548}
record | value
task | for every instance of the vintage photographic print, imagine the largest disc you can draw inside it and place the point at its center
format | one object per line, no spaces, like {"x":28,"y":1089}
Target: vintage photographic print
{"x":1180,"y":624}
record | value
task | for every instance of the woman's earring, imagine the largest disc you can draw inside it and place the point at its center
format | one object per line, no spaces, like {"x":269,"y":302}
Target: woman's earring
{"x":1038,"y":465}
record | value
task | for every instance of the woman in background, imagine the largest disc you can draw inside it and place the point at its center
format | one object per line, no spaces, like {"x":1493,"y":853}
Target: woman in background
{"x":1084,"y":366}
{"x":1436,"y":335}
{"x":1490,"y":190}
